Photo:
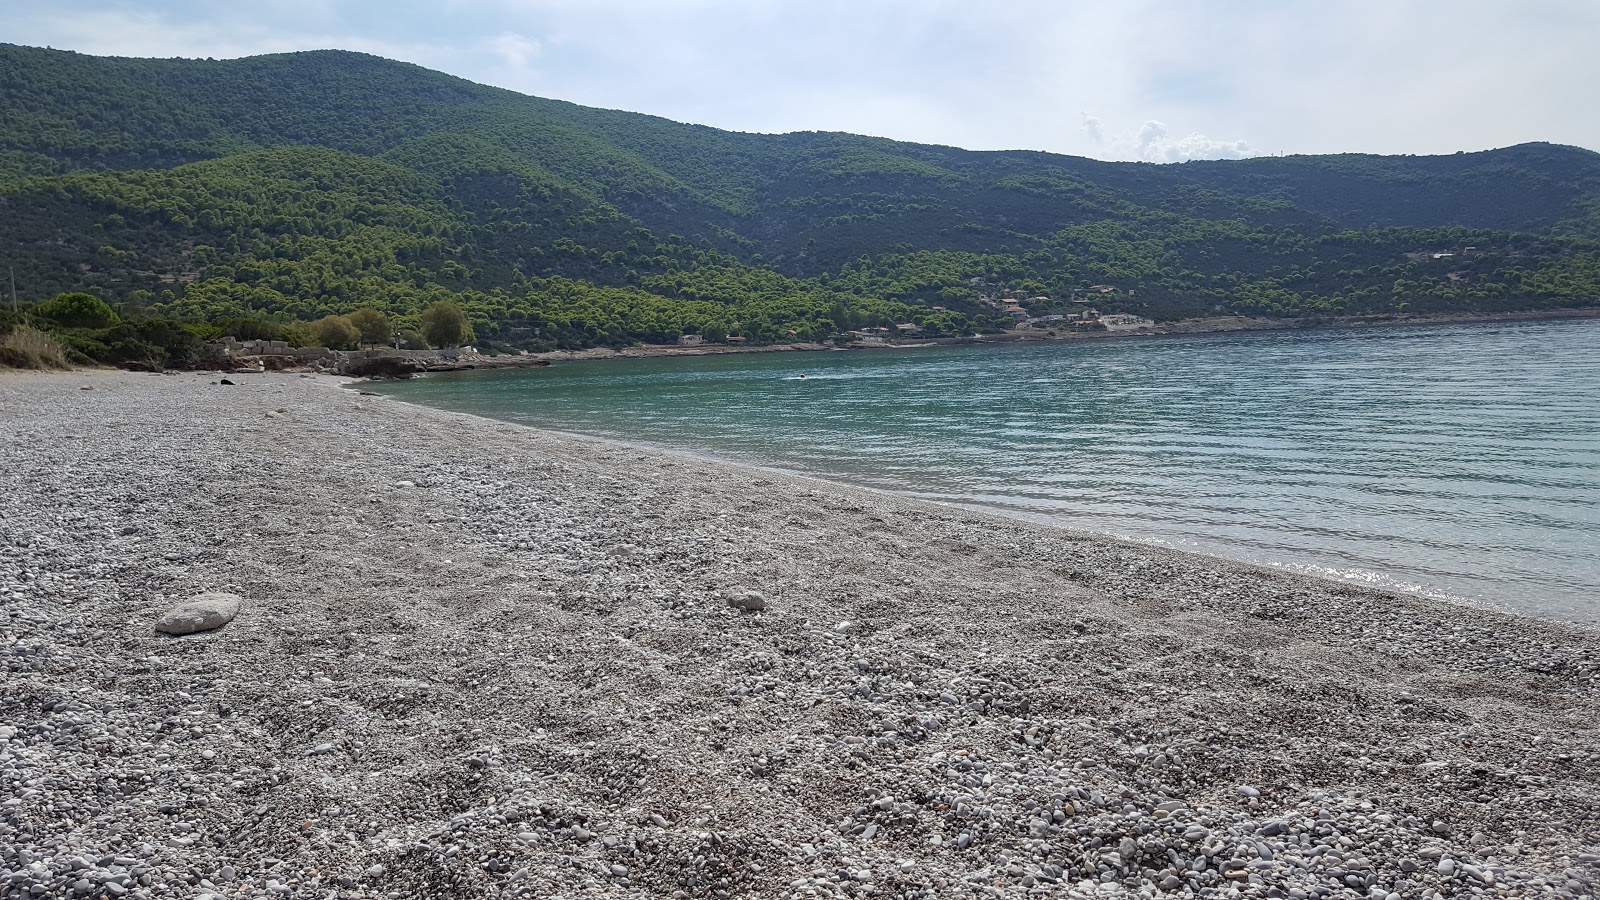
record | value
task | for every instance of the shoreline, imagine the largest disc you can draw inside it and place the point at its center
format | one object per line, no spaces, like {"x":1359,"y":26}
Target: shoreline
{"x":478,"y":659}
{"x":1003,"y":515}
{"x":1210,"y":325}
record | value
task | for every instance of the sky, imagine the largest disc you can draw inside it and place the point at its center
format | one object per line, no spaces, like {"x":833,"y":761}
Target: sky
{"x":1153,"y":80}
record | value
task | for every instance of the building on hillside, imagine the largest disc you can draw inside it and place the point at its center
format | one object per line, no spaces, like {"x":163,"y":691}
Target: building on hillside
{"x":690,"y":340}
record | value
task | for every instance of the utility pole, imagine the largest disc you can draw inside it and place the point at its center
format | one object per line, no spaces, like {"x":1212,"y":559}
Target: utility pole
{"x":12,"y":271}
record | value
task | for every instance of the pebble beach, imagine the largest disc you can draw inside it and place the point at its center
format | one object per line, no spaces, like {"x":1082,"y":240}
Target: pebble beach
{"x":475,"y":659}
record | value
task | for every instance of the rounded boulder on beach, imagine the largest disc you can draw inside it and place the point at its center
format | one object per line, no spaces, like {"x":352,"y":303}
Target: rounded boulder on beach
{"x":202,"y":612}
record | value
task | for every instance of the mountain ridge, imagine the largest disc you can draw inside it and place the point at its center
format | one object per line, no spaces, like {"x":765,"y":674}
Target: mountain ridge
{"x":540,"y":200}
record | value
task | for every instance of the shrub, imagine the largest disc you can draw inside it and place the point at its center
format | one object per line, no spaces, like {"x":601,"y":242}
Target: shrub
{"x":83,"y":345}
{"x":26,"y":347}
{"x":10,"y":320}
{"x":298,"y":334}
{"x":151,"y":345}
{"x":133,"y":353}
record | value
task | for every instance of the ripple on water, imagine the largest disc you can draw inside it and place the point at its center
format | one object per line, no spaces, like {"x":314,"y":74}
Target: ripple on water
{"x":1455,"y":461}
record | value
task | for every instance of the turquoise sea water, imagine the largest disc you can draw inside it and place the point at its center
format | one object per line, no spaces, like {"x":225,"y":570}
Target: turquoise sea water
{"x":1457,"y":461}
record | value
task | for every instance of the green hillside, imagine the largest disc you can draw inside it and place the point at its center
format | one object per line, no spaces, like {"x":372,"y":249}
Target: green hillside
{"x":294,"y":186}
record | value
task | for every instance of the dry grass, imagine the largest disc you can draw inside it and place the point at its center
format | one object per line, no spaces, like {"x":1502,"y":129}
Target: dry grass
{"x":27,"y":347}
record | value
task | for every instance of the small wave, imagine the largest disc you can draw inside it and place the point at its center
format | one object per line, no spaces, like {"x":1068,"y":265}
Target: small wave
{"x":1453,"y":463}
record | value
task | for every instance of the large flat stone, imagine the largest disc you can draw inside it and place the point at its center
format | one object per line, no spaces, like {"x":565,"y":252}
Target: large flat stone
{"x":202,"y":612}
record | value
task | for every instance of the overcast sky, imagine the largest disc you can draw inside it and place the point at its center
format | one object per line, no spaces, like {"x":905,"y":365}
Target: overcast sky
{"x":1161,"y":80}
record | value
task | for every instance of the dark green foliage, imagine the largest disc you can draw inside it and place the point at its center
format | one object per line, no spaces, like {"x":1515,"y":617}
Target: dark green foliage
{"x":373,"y":326}
{"x":10,"y":320}
{"x":336,"y":333}
{"x":145,"y":345}
{"x":445,"y":325}
{"x":249,"y":330}
{"x":76,"y":310}
{"x":255,"y":193}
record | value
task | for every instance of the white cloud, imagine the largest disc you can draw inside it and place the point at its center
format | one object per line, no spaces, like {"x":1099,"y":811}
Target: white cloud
{"x":1198,"y":146}
{"x":516,"y":50}
{"x":1091,"y":127}
{"x":1152,"y":141}
{"x":1151,"y":136}
{"x":1152,"y":144}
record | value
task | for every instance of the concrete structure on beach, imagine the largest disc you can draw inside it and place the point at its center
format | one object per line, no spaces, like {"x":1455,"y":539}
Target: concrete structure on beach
{"x":1125,"y":322}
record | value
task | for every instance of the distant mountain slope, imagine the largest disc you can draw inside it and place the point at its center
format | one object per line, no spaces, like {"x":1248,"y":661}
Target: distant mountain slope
{"x":312,"y":182}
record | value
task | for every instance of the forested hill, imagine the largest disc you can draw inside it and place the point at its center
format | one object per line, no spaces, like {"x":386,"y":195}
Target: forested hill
{"x":303,"y":184}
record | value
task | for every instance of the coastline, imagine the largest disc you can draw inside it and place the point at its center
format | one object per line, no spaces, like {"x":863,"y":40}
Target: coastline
{"x":481,"y":659}
{"x":1212,"y":325}
{"x":1004,"y":517}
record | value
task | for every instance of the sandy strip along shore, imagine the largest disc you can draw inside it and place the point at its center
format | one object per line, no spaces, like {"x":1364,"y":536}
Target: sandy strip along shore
{"x":480,"y":660}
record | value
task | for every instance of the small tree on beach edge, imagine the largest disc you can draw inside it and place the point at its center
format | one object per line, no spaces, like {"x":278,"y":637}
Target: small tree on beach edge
{"x":336,"y":332}
{"x":445,"y":325}
{"x":374,"y":326}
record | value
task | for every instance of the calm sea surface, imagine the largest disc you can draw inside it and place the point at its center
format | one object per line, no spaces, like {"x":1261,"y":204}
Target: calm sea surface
{"x":1455,"y":461}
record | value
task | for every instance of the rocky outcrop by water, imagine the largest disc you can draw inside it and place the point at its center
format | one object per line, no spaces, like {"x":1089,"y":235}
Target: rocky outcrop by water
{"x":479,"y":660}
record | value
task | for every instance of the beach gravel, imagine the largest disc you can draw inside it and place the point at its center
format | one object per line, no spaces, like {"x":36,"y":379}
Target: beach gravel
{"x":483,"y":660}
